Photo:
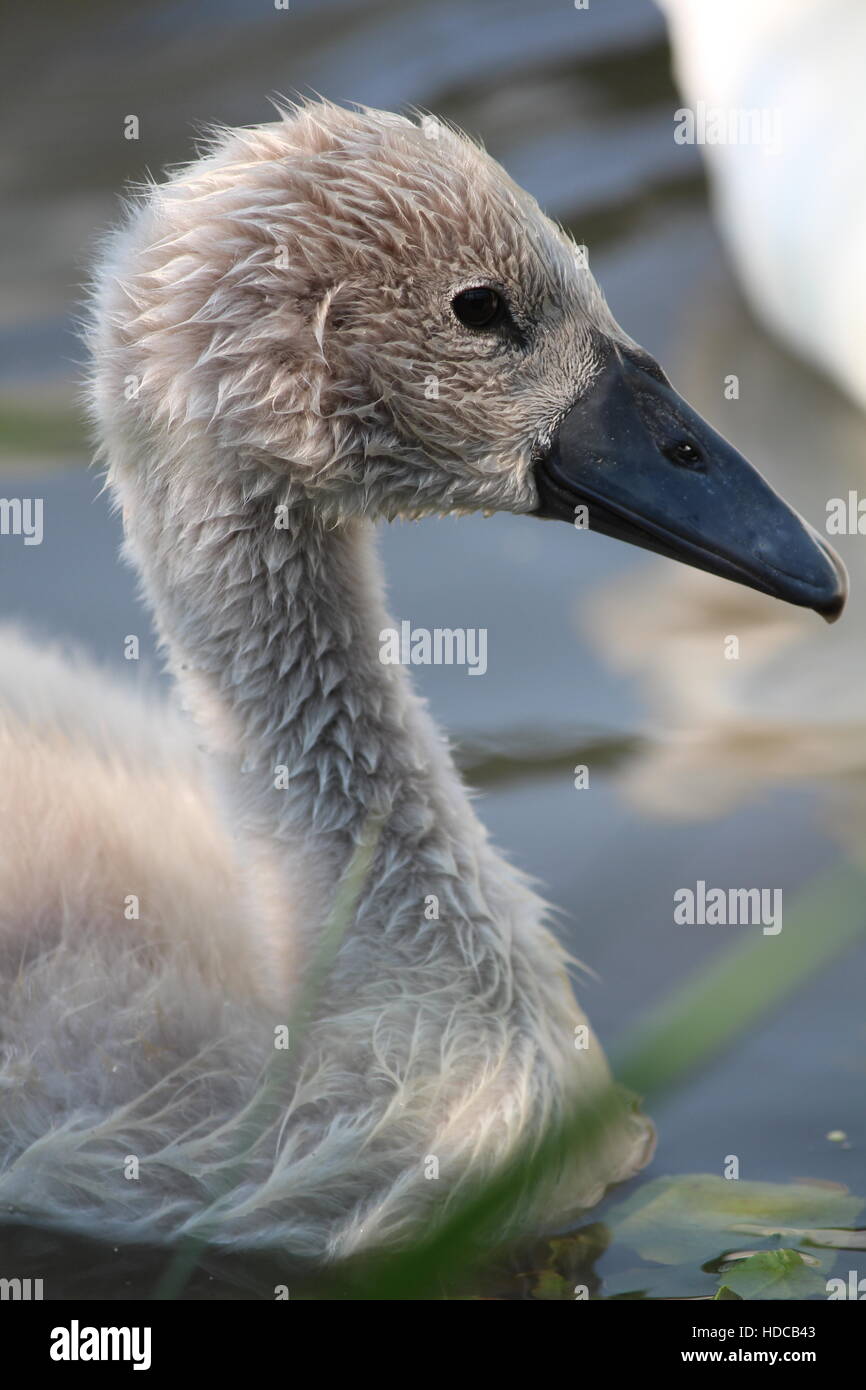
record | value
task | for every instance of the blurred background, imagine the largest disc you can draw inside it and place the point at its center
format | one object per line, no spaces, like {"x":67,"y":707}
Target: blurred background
{"x":745,"y":773}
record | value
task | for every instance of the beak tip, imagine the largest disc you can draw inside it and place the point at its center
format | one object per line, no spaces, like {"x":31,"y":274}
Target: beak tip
{"x":831,"y":610}
{"x":831,"y":607}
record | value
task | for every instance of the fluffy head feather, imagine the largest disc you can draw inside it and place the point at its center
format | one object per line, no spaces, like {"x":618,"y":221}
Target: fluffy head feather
{"x":289,"y":296}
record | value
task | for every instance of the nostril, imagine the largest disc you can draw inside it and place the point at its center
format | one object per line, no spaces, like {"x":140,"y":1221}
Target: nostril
{"x":684,"y":453}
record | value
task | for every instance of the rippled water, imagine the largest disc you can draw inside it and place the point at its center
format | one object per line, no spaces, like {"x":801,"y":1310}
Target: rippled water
{"x":597,"y":654}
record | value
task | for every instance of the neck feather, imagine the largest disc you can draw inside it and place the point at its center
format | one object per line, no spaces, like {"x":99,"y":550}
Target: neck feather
{"x":446,"y":1023}
{"x":273,"y":633}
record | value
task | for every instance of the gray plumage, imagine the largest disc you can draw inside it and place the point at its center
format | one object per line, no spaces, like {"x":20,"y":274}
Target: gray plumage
{"x":264,"y":329}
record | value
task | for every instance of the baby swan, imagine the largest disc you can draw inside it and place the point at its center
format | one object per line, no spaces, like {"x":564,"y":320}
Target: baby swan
{"x":328,"y":320}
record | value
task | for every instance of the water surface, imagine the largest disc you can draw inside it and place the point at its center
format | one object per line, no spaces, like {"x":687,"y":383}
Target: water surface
{"x":596,"y":654}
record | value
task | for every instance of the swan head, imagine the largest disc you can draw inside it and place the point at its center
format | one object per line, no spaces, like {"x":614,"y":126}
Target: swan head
{"x":366,"y":310}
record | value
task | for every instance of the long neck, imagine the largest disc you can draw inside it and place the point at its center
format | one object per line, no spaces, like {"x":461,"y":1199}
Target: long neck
{"x":274,"y":636}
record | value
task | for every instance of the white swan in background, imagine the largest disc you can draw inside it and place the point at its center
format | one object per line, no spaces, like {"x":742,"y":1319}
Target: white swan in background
{"x":331,"y":319}
{"x":793,"y":212}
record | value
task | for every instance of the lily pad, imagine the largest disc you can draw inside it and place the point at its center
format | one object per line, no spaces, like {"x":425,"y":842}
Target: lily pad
{"x":775,"y":1274}
{"x":677,"y":1220}
{"x":834,"y":1240}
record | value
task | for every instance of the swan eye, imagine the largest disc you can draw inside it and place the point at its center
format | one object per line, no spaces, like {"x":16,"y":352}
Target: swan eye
{"x":479,"y":307}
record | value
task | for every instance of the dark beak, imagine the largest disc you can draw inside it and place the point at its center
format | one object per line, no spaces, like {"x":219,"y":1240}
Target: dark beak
{"x":648,"y":469}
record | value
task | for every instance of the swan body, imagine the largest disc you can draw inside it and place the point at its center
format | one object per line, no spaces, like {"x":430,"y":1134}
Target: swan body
{"x":264,"y":329}
{"x":791,"y":208}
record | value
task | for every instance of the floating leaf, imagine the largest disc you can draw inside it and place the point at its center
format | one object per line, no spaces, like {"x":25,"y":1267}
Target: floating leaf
{"x":834,"y":1240}
{"x":681,"y":1219}
{"x":775,"y":1274}
{"x":738,"y":1256}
